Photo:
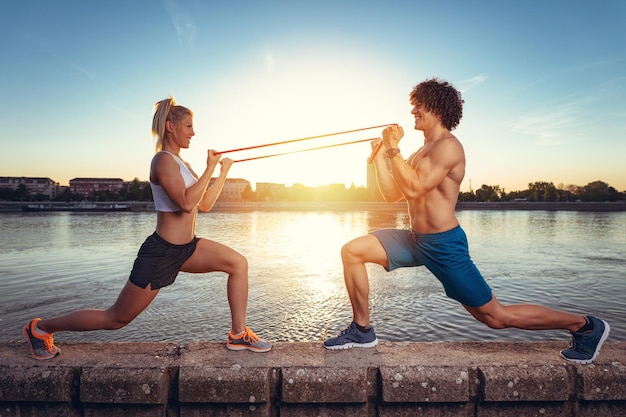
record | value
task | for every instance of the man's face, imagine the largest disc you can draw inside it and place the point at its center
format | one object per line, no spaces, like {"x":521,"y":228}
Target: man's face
{"x":424,"y":119}
{"x":420,"y":114}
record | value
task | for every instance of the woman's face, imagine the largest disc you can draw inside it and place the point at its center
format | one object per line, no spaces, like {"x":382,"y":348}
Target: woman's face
{"x":183,"y":132}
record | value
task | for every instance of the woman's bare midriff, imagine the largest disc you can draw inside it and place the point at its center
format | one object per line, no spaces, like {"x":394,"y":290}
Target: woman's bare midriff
{"x":176,"y":227}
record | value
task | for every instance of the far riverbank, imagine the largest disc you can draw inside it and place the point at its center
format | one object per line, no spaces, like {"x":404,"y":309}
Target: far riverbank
{"x":16,"y":206}
{"x":401,"y":206}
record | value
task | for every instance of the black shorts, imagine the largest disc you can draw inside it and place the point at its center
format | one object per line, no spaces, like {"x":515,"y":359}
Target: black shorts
{"x":158,"y":262}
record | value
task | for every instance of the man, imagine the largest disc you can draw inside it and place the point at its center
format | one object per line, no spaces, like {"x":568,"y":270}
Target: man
{"x":429,"y":181}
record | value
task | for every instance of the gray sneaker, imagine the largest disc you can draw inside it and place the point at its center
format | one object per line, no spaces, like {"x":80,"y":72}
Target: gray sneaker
{"x":585,"y":347}
{"x":248,"y":341}
{"x":41,"y":347}
{"x":352,"y":337}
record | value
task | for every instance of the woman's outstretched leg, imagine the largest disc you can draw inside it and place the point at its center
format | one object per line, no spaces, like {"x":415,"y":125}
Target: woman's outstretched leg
{"x":131,"y":301}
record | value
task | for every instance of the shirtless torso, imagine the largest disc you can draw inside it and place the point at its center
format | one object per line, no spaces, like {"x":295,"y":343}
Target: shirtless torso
{"x":434,"y":210}
{"x":429,"y":180}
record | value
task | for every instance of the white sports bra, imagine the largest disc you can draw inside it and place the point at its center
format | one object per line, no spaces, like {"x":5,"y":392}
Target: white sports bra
{"x":161,"y":201}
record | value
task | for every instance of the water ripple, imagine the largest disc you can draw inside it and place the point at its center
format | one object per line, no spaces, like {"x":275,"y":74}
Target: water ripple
{"x":54,"y":264}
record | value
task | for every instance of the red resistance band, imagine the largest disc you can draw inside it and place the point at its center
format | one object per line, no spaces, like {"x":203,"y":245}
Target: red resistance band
{"x":370,"y":159}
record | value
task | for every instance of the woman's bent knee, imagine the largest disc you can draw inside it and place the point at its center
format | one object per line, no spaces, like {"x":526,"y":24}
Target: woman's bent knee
{"x":114,"y":322}
{"x":118,"y":324}
{"x":240,"y":264}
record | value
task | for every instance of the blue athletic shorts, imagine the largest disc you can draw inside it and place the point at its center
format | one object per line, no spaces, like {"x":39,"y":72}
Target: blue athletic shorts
{"x":445,"y":254}
{"x":159,"y":261}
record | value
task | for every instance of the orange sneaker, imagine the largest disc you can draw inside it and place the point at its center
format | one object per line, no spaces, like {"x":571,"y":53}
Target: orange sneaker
{"x":41,"y":346}
{"x":248,"y":341}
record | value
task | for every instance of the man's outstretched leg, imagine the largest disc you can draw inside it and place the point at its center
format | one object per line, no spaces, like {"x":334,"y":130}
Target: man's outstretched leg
{"x":588,"y":333}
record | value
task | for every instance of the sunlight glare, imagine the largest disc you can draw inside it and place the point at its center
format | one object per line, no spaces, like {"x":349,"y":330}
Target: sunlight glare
{"x":302,"y":97}
{"x":319,"y":237}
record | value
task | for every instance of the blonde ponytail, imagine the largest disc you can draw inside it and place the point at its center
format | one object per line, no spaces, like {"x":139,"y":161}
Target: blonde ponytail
{"x":165,"y":110}
{"x":161,"y":110}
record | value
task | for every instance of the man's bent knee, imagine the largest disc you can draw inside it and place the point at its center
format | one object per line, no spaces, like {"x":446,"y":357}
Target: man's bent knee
{"x":492,"y":320}
{"x":355,"y":247}
{"x":345,"y":250}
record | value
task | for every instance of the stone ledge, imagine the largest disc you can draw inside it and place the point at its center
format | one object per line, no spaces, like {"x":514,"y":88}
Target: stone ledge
{"x":527,"y":383}
{"x":447,"y":378}
{"x":425,"y":384}
{"x":327,"y":385}
{"x":237,"y":384}
{"x":125,"y":385}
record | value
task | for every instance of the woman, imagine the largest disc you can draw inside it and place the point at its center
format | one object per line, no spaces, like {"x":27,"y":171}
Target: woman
{"x":178,"y":195}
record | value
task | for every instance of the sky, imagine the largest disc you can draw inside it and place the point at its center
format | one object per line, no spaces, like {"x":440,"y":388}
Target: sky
{"x":544,"y":85}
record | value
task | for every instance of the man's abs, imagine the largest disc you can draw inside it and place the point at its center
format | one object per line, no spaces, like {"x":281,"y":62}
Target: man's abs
{"x":432,"y":216}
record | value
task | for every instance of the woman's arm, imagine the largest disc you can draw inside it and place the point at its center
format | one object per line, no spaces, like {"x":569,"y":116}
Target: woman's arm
{"x":166,"y":172}
{"x":214,"y":191}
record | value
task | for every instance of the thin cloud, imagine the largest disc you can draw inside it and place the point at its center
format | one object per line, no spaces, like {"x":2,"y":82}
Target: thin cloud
{"x":572,"y":118}
{"x":183,"y":23}
{"x":470,"y":83}
{"x":548,"y":125}
{"x":582,"y":67}
{"x":590,"y":65}
{"x":90,"y":75}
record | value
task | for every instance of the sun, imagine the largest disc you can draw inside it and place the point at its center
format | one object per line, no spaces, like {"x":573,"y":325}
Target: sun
{"x":299,"y":97}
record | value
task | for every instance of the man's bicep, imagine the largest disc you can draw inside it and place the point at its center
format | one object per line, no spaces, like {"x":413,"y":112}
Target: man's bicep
{"x":433,"y":176}
{"x":433,"y":169}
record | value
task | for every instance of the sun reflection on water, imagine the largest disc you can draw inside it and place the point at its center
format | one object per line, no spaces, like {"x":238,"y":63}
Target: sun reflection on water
{"x":296,"y":290}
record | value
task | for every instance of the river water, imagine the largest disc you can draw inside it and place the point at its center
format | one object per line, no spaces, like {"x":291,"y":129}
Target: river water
{"x":53,"y":263}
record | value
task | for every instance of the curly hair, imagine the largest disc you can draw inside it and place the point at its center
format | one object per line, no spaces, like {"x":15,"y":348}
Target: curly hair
{"x":441,"y":98}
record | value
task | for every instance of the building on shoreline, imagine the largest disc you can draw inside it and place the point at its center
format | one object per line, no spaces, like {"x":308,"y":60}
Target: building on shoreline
{"x":233,"y":189}
{"x":88,"y":186}
{"x":33,"y":185}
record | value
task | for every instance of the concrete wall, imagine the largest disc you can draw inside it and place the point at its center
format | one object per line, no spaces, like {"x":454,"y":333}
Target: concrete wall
{"x":303,"y":379}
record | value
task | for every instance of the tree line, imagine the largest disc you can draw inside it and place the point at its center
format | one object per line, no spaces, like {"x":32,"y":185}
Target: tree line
{"x":547,"y":191}
{"x":137,"y":190}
